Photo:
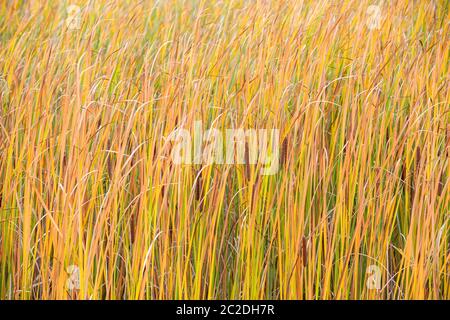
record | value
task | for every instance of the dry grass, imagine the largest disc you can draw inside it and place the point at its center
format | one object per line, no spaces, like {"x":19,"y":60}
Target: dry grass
{"x":86,"y":178}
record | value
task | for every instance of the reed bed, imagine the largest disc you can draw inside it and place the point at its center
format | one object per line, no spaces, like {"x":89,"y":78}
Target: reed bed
{"x":93,"y":207}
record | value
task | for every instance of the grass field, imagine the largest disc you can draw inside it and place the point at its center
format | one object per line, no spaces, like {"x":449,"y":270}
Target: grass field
{"x":92,"y":205}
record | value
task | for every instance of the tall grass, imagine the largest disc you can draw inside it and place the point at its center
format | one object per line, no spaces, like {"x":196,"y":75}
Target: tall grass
{"x":86,"y":177}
